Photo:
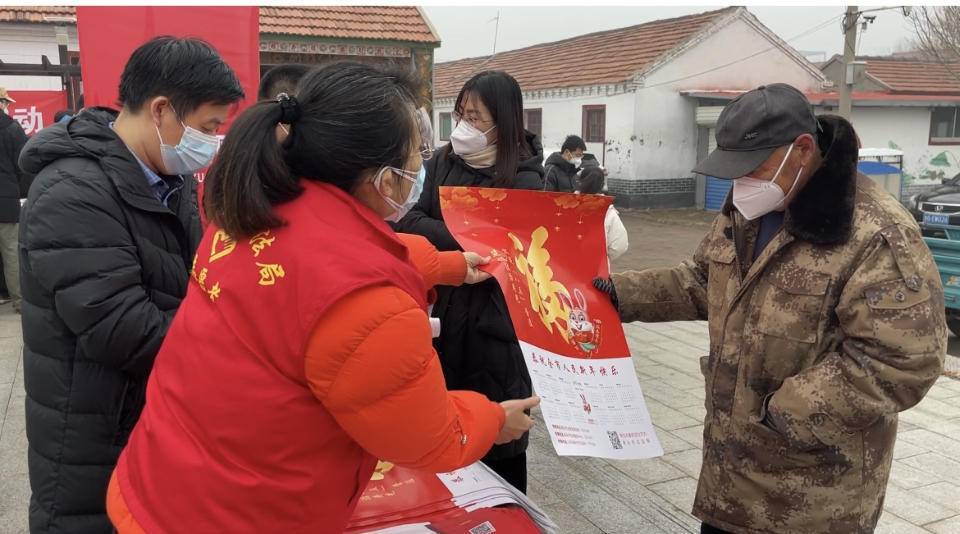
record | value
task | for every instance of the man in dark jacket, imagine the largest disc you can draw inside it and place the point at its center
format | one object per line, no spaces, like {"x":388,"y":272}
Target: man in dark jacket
{"x":560,"y":169}
{"x":12,"y":139}
{"x":109,"y":233}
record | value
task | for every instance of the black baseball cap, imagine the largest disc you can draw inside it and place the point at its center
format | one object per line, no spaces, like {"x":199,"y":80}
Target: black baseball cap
{"x":753,"y":126}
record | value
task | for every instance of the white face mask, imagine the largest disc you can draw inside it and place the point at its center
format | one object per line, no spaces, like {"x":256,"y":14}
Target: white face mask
{"x":467,"y":140}
{"x":576,"y":161}
{"x":194,"y":152}
{"x":412,"y":197}
{"x":756,"y":198}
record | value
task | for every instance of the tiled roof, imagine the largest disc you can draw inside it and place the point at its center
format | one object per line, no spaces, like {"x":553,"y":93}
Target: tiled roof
{"x":914,"y":75}
{"x":390,"y":23}
{"x":393,"y":23}
{"x":818,"y":98}
{"x":881,"y":96}
{"x":612,"y":56}
{"x":34,"y":13}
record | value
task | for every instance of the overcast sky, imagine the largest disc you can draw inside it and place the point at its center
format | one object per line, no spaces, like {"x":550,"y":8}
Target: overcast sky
{"x":469,"y":31}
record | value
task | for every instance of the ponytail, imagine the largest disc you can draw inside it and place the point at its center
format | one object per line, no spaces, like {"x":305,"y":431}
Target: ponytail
{"x":250,"y":174}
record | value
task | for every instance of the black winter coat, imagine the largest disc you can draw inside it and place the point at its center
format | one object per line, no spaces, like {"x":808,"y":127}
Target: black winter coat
{"x":477,"y":346}
{"x":103,"y":268}
{"x":559,"y":174}
{"x":12,"y":140}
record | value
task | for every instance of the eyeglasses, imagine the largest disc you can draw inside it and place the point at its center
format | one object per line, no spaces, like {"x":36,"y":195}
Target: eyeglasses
{"x":472,"y":120}
{"x":426,"y":133}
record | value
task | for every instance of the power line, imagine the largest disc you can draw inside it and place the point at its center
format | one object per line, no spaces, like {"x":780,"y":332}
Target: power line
{"x":814,"y":29}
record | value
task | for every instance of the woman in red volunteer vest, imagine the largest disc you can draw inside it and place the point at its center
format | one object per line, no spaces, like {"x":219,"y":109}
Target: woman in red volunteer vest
{"x":302,"y":352}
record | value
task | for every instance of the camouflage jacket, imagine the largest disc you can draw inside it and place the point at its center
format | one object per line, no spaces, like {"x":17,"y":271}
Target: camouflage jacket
{"x":815,"y":347}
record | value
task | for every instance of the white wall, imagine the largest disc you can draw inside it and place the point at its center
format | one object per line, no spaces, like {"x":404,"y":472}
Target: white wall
{"x":665,"y":125}
{"x":564,"y":116}
{"x":908,"y":128}
{"x":26,"y":43}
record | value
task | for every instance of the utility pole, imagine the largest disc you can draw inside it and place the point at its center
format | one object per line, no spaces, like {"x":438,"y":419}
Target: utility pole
{"x":849,"y":56}
{"x":496,"y":33}
{"x":65,"y":78}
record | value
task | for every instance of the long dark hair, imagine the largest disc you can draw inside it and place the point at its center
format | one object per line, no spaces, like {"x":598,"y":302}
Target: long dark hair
{"x":591,"y":181}
{"x":501,"y":95}
{"x":352,"y":118}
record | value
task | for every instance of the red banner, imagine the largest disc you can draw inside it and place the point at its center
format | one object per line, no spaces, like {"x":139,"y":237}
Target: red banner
{"x":34,"y":110}
{"x":547,"y":249}
{"x":108,"y":35}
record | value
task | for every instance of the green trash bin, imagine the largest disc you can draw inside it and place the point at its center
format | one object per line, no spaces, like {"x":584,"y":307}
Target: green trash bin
{"x":946,"y":252}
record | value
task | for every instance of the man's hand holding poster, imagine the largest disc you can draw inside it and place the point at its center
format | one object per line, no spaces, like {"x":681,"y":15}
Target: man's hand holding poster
{"x":546,"y":250}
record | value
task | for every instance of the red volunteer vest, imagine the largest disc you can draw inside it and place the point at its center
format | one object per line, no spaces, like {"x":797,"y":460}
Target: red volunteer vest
{"x":231,"y":438}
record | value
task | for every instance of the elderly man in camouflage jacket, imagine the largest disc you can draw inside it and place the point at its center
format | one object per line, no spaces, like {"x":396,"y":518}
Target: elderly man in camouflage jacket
{"x":826,"y":319}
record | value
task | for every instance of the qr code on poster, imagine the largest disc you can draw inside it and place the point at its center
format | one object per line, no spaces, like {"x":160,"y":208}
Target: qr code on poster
{"x":614,"y":439}
{"x":483,"y":528}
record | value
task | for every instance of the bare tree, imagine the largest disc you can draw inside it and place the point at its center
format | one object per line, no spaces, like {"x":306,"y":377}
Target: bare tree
{"x":907,"y":47}
{"x":937,"y":32}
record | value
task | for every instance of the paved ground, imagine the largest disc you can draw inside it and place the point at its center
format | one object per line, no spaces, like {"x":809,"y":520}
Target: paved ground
{"x":14,"y":486}
{"x":588,"y":495}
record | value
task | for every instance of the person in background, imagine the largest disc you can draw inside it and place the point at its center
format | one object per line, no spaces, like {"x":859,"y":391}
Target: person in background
{"x":281,"y":79}
{"x":62,"y":116}
{"x":478,"y":347}
{"x":590,"y":162}
{"x":12,"y":177}
{"x":302,"y":354}
{"x":109,"y":232}
{"x":826,"y":319}
{"x":561,"y":168}
{"x":592,"y":183}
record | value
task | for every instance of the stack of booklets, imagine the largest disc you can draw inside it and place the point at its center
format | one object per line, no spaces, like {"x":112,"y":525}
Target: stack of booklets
{"x":472,"y":500}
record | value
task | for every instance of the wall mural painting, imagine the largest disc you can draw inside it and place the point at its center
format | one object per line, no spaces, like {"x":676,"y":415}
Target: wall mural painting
{"x":931,"y":166}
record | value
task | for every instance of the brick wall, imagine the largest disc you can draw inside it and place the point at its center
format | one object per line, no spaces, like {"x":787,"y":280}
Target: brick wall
{"x":656,"y":193}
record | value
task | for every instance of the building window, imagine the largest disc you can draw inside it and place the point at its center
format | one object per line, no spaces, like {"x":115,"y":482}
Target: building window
{"x":594,"y":123}
{"x":945,"y":126}
{"x":446,"y":126}
{"x":533,"y":121}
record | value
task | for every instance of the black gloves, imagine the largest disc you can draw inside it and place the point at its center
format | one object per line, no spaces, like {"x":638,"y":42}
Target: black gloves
{"x":606,"y":285}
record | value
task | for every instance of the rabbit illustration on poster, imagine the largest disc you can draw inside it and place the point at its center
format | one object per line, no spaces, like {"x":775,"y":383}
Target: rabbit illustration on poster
{"x":582,"y":332}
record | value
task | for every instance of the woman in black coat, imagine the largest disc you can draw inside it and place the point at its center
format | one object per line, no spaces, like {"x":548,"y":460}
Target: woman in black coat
{"x":478,"y":347}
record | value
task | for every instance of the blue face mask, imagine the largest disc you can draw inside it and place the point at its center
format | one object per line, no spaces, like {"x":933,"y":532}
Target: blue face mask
{"x":412,"y":197}
{"x":194,"y":152}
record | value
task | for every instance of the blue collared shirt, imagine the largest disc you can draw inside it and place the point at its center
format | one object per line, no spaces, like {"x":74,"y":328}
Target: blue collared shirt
{"x":770,"y":224}
{"x":161,"y":188}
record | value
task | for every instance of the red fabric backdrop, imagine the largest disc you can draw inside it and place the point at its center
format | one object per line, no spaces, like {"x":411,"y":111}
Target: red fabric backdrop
{"x":35,"y":109}
{"x":108,"y":35}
